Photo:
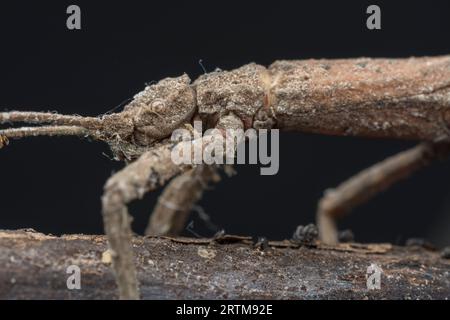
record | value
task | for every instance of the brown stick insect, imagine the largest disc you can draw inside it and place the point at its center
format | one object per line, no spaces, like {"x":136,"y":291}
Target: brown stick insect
{"x":388,"y":98}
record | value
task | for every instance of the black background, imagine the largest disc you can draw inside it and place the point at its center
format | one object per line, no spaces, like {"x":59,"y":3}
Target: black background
{"x":54,"y":184}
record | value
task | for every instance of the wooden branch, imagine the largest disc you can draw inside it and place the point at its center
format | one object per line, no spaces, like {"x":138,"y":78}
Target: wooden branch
{"x":33,"y":266}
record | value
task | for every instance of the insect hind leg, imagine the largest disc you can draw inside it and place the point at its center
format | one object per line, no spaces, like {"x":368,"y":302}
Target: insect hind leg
{"x":370,"y":182}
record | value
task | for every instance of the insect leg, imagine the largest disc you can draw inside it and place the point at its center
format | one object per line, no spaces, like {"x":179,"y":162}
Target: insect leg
{"x":151,"y":170}
{"x":179,"y":196}
{"x":182,"y":193}
{"x":154,"y":168}
{"x":371,"y":181}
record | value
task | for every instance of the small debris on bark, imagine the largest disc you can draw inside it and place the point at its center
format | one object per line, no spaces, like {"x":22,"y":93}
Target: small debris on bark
{"x":346,"y":236}
{"x":445,"y":253}
{"x":305,"y":234}
{"x":420,"y":242}
{"x":261,"y":243}
{"x":206,"y":253}
{"x":107,"y":257}
{"x":219,"y":235}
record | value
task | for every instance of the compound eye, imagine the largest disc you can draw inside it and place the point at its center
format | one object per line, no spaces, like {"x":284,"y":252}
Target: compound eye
{"x":157,"y":108}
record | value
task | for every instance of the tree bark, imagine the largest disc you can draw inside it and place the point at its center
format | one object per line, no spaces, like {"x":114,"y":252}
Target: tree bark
{"x":34,"y":266}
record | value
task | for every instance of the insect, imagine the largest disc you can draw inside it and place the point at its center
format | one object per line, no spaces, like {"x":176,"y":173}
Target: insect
{"x":390,"y":98}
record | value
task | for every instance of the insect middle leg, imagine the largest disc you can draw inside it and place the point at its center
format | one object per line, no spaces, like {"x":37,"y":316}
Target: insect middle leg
{"x":369,"y":182}
{"x":179,"y":197}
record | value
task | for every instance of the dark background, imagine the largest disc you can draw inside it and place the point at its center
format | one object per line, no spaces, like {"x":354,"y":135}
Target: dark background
{"x":54,"y":184}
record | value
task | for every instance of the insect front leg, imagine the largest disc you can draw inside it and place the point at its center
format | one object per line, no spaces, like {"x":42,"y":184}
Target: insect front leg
{"x":152,"y":169}
{"x":183,"y":192}
{"x":371,"y":181}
